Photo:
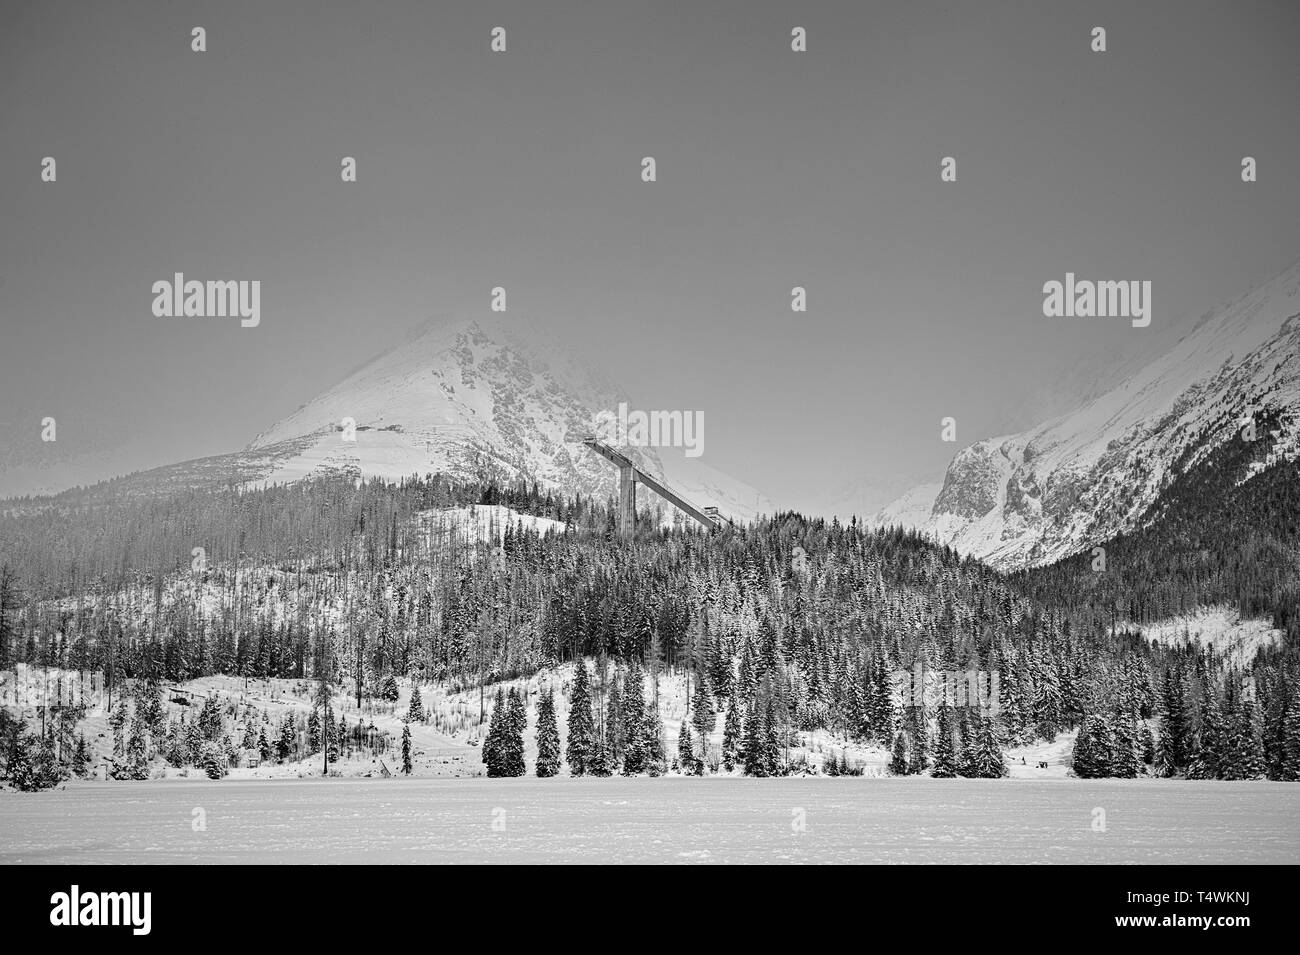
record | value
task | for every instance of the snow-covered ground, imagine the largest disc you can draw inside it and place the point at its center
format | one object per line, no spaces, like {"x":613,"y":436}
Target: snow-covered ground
{"x":1236,"y":639}
{"x":454,"y":715}
{"x":667,"y":820}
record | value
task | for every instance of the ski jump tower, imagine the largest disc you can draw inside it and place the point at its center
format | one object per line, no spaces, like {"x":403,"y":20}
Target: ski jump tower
{"x":629,"y":476}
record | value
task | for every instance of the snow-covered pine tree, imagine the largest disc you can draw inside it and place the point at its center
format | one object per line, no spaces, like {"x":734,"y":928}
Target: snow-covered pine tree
{"x":1208,"y":760}
{"x":634,"y":732}
{"x":702,"y":716}
{"x":287,"y":739}
{"x":601,"y":762}
{"x":1243,"y":750}
{"x":81,"y":757}
{"x":732,"y":735}
{"x":988,"y":762}
{"x":883,"y":713}
{"x":1175,"y":728}
{"x":210,"y":720}
{"x":1125,"y":761}
{"x":548,"y":736}
{"x":496,"y":731}
{"x":117,"y":722}
{"x":917,"y":761}
{"x":406,"y":747}
{"x":1289,"y":763}
{"x":581,"y":747}
{"x":771,"y":741}
{"x":415,"y":710}
{"x":212,"y":760}
{"x":686,"y":749}
{"x":615,"y":736}
{"x":945,"y":753}
{"x":656,"y":758}
{"x":331,"y":731}
{"x":513,"y":739}
{"x":1094,"y":748}
{"x":898,"y":762}
{"x":751,"y":752}
{"x":1048,"y":701}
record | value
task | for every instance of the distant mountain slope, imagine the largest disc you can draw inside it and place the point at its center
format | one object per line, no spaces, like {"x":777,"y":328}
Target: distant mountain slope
{"x":1083,"y":477}
{"x":474,"y":400}
{"x":482,"y":399}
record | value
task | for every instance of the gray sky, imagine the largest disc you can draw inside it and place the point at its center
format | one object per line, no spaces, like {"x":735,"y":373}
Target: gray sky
{"x":522,"y":169}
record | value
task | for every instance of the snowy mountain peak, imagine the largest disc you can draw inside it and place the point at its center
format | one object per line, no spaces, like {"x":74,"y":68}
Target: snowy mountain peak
{"x":475,"y":399}
{"x":1080,"y":478}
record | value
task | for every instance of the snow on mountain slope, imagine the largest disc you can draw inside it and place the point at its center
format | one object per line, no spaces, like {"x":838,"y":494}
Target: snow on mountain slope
{"x":1034,"y":497}
{"x":1236,"y":639}
{"x":476,"y":399}
{"x":911,"y":509}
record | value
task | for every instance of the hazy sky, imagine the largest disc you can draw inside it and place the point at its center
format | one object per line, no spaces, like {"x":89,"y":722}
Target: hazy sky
{"x":522,"y":169}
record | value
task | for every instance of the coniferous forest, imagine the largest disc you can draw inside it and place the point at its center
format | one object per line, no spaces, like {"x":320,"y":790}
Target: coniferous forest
{"x":789,"y":625}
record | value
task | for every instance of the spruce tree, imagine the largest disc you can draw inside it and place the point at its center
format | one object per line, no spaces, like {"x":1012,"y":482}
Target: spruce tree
{"x":406,"y":747}
{"x":732,"y":735}
{"x":1208,"y":760}
{"x":332,"y":732}
{"x":656,"y":759}
{"x":581,"y":746}
{"x":702,"y":716}
{"x":1094,"y":749}
{"x":634,"y":732}
{"x":1244,"y":751}
{"x":81,"y":757}
{"x":287,"y":740}
{"x":945,"y":756}
{"x":883,"y":713}
{"x":1289,"y":763}
{"x":614,"y":721}
{"x":512,"y":745}
{"x":548,"y":736}
{"x":313,"y":731}
{"x":601,"y":762}
{"x":23,"y":765}
{"x":988,"y":762}
{"x":686,"y":749}
{"x":415,"y":711}
{"x":771,"y":742}
{"x":918,"y":758}
{"x":212,"y":760}
{"x":1125,"y":759}
{"x":752,"y":748}
{"x":1175,"y":729}
{"x":496,"y":730}
{"x":898,"y":765}
{"x":263,"y":745}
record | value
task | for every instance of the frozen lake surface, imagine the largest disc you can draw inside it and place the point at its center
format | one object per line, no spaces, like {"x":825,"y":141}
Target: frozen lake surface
{"x":653,"y":820}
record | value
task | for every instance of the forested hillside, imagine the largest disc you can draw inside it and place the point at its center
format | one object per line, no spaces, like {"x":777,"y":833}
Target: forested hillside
{"x":788,"y":625}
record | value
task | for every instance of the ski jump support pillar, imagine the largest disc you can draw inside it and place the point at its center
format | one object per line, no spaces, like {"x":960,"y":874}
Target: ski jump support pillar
{"x":629,"y":476}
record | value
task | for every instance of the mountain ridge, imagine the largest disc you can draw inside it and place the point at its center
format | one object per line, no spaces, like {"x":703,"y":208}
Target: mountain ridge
{"x":1040,"y":495}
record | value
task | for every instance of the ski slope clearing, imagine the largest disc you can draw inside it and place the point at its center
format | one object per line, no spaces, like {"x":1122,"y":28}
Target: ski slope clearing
{"x":667,"y":820}
{"x":1220,"y":627}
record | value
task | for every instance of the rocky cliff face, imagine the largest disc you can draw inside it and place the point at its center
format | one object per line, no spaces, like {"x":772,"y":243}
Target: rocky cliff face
{"x":1083,"y":477}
